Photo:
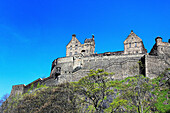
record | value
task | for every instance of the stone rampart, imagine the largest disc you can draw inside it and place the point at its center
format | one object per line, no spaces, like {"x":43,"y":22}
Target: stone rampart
{"x":155,"y":65}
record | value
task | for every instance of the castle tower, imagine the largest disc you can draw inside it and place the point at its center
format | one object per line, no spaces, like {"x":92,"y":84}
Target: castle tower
{"x":133,"y":44}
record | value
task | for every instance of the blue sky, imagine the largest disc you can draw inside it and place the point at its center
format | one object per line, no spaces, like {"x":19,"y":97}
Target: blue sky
{"x":35,"y":32}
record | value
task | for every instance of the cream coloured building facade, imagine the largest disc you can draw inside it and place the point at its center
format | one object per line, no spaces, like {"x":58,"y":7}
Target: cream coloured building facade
{"x":133,"y":44}
{"x":74,"y":47}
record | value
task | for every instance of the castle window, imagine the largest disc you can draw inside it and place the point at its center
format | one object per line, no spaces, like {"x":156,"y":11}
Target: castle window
{"x":76,"y":46}
{"x":87,"y":51}
{"x":70,"y":53}
{"x":129,"y":45}
{"x":136,"y":51}
{"x":76,"y":53}
{"x":135,"y":44}
{"x":70,"y":47}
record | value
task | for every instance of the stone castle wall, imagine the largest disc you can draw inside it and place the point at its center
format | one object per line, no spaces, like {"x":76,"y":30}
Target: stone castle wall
{"x":122,"y":63}
{"x":155,"y":65}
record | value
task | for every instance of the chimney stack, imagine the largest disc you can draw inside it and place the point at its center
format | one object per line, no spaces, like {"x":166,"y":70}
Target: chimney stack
{"x":73,"y":36}
{"x":92,"y":35}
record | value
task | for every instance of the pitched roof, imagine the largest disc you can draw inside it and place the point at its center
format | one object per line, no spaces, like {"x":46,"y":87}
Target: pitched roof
{"x":72,"y":39}
{"x":88,"y":40}
{"x":131,"y":36}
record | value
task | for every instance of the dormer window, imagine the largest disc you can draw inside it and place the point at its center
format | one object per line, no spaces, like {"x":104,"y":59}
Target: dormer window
{"x":129,"y":45}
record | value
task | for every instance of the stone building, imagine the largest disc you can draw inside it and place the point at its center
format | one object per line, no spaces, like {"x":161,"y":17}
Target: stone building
{"x":74,"y":47}
{"x":160,"y":48}
{"x":80,"y":58}
{"x":134,"y":45}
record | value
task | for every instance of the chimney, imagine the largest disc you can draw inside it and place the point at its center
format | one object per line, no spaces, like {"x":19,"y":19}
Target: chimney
{"x":93,"y":36}
{"x":131,"y":30}
{"x":168,"y":40}
{"x":73,"y":36}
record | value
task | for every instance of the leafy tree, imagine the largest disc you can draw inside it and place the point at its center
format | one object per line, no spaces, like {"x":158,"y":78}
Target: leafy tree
{"x":137,"y":93}
{"x":93,"y":89}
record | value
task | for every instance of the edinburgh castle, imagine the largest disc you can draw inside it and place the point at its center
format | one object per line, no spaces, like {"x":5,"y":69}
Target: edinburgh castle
{"x":80,"y":58}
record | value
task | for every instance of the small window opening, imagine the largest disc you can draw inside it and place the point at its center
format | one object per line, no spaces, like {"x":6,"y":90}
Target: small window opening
{"x":135,"y":44}
{"x":129,"y":45}
{"x":70,"y":53}
{"x":83,"y":51}
{"x":76,"y":46}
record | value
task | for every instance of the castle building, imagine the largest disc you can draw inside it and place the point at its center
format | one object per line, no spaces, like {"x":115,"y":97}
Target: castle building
{"x":80,"y":58}
{"x":74,"y":47}
{"x":134,"y":45}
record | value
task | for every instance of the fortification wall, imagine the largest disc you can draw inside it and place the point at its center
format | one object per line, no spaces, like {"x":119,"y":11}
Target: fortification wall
{"x":155,"y":65}
{"x":121,"y":65}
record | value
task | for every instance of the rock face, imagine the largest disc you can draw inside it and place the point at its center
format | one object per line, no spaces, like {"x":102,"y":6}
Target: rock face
{"x":132,"y":61}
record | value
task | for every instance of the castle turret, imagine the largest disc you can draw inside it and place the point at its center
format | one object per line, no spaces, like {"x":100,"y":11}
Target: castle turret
{"x":158,"y":40}
{"x":160,"y":48}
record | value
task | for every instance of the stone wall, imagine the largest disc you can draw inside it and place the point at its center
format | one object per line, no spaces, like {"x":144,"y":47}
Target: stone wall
{"x":122,"y":65}
{"x":155,"y":65}
{"x":17,"y":89}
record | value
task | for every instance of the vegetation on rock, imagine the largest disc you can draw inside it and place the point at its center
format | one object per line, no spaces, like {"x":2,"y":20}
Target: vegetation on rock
{"x":97,"y":93}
